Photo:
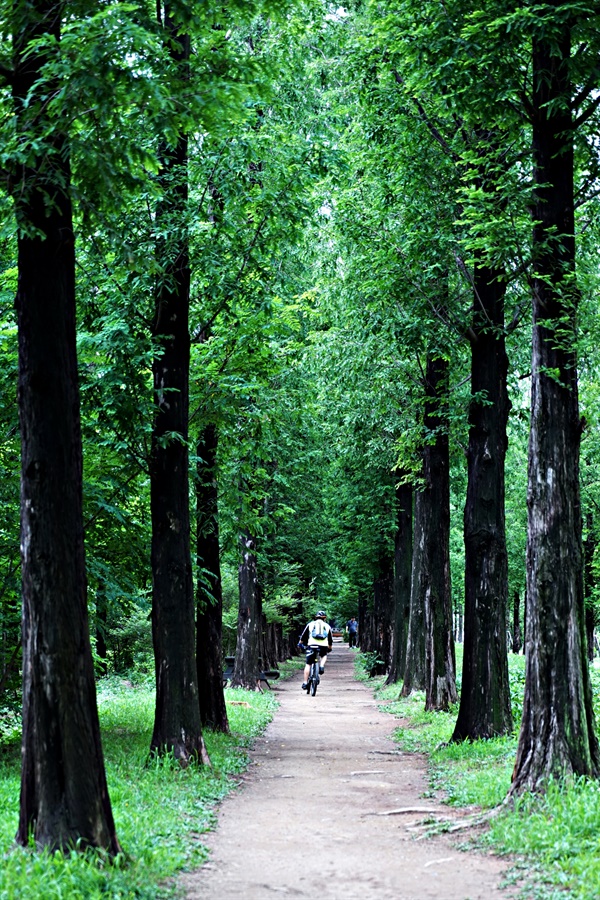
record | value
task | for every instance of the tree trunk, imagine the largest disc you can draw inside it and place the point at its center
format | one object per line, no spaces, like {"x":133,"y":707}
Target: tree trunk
{"x":362,"y":621}
{"x":279,"y":644}
{"x":383,"y":615}
{"x":177,"y":726}
{"x":209,"y":596}
{"x":367,"y":644}
{"x":64,"y":797}
{"x":557,"y":732}
{"x":402,"y":572}
{"x":440,"y":666}
{"x":247,"y":651}
{"x":589,"y":549}
{"x":485,"y":709}
{"x":269,"y":653}
{"x":517,"y":641}
{"x":525,"y":605}
{"x":101,"y":630}
{"x":414,"y":671}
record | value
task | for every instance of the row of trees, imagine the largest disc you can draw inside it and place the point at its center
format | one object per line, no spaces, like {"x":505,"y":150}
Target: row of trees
{"x":476,"y":120}
{"x":272,"y":250}
{"x":143,"y":136}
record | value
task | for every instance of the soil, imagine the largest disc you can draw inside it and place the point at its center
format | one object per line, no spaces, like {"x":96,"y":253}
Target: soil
{"x":309,"y":820}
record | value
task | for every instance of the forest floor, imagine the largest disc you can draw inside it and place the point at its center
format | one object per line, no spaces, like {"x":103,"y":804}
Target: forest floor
{"x":310,"y":819}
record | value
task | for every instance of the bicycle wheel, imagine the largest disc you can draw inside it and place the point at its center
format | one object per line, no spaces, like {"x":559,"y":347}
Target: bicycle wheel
{"x":314,"y":679}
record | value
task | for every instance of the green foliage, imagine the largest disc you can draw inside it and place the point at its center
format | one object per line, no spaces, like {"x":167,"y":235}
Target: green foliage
{"x":160,"y":810}
{"x":366,"y":664}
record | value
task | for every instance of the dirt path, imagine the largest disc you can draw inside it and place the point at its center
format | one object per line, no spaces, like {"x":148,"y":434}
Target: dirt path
{"x":323,"y":767}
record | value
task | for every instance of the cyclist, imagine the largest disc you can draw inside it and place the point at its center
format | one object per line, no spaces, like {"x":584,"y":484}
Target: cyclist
{"x":317,"y":639}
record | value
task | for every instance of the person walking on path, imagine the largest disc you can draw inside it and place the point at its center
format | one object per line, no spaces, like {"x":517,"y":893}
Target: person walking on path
{"x":352,"y":628}
{"x":318,"y":640}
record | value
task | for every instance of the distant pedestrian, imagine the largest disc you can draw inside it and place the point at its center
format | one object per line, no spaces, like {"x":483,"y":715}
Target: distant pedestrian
{"x":352,"y":628}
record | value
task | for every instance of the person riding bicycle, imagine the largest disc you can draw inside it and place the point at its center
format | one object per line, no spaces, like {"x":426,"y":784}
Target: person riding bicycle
{"x":318,"y":640}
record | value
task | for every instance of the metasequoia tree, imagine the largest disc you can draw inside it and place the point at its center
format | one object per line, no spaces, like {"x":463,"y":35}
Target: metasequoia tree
{"x":440,"y":666}
{"x":557,"y":731}
{"x":429,"y":661}
{"x":414,"y":667}
{"x":209,"y":595}
{"x":402,"y":571}
{"x":64,"y":797}
{"x":485,"y":708}
{"x":430,"y":60}
{"x":247,"y":649}
{"x":177,"y":724}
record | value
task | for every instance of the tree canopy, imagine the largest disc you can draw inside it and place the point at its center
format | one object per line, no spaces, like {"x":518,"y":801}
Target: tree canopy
{"x":347,"y":201}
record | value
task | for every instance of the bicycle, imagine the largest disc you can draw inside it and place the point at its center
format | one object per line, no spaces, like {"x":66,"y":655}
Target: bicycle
{"x":313,"y":673}
{"x":313,"y":676}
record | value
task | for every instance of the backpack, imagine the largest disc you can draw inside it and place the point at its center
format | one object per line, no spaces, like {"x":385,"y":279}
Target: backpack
{"x":319,"y":630}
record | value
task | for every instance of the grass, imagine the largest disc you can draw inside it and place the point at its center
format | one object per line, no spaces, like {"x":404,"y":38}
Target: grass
{"x":554,"y":837}
{"x":160,"y":811}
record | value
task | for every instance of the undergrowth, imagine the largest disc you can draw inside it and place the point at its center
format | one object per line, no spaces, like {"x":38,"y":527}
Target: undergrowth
{"x":160,"y":810}
{"x":555,"y":837}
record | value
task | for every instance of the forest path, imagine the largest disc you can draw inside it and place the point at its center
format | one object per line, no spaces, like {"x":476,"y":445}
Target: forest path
{"x":302,"y":825}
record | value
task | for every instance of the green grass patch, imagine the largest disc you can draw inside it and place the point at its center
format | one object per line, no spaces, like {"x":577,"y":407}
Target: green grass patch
{"x":560,"y":833}
{"x":160,"y":810}
{"x":554,"y":837}
{"x":288,"y":668}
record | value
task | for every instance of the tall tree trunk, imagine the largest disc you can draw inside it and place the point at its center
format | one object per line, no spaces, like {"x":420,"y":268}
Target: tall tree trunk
{"x":247,"y":650}
{"x":557,"y":732}
{"x":383,"y":615}
{"x":525,"y":605}
{"x":517,"y":641}
{"x":485,"y":708}
{"x":177,"y":726}
{"x":440,"y":666}
{"x":414,"y":670}
{"x":362,"y":621}
{"x":589,"y":549}
{"x":269,"y":652}
{"x":101,"y":629}
{"x":402,"y":572}
{"x":64,"y":797}
{"x":209,"y":595}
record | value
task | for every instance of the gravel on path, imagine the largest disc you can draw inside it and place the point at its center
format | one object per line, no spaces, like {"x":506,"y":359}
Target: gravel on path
{"x":307,"y":820}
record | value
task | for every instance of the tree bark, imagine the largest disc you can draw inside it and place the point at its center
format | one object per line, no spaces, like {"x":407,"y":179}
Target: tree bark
{"x":557,"y":733}
{"x":177,"y":725}
{"x":64,"y":797}
{"x":362,"y":621}
{"x":247,"y":651}
{"x":383,"y":615}
{"x":101,"y":630}
{"x":517,"y":641}
{"x":209,"y":596}
{"x":440,"y":666}
{"x":402,"y":573}
{"x":414,"y":671}
{"x":485,"y":709}
{"x":589,"y":549}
